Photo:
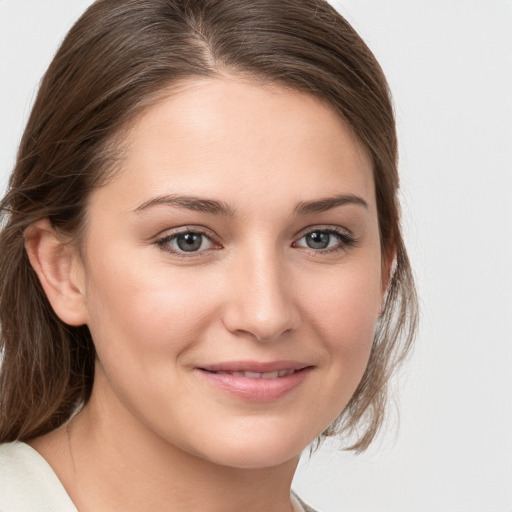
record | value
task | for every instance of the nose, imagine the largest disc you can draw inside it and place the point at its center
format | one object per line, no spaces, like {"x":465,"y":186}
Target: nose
{"x":261,"y":304}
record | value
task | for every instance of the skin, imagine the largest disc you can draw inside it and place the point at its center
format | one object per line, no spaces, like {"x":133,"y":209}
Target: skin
{"x":156,"y":431}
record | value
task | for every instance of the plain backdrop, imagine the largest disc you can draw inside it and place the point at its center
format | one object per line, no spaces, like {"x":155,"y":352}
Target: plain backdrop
{"x":449,"y":64}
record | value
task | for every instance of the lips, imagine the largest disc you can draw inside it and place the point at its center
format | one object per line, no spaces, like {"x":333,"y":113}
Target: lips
{"x":254,"y":366}
{"x":256,"y":381}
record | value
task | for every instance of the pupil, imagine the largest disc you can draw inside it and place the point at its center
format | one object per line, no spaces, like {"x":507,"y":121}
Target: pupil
{"x":318,"y":240}
{"x":189,"y":242}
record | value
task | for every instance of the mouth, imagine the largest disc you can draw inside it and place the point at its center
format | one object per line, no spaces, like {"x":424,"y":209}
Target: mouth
{"x":255,"y":375}
{"x":256,"y":381}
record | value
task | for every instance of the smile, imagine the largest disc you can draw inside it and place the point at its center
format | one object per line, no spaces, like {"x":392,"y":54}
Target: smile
{"x":258,"y":375}
{"x":255,"y":382}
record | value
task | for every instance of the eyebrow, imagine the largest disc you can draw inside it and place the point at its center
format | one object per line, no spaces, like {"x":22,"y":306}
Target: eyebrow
{"x":204,"y":205}
{"x":197,"y":204}
{"x":328,"y":203}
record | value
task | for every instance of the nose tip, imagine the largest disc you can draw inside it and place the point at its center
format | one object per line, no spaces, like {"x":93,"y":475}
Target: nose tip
{"x":261,"y":305}
{"x":263,"y":325}
{"x":266,"y":324}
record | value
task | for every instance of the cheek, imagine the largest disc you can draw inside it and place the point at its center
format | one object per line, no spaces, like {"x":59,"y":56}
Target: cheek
{"x":346,"y":313}
{"x":144,"y":315}
{"x":339,"y":315}
{"x":344,"y":320}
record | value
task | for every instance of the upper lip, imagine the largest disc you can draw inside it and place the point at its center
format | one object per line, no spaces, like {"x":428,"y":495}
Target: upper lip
{"x":253,"y":366}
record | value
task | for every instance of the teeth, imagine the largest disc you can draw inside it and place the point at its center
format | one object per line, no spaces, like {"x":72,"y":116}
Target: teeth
{"x":252,"y":375}
{"x":270,"y":375}
{"x":258,"y":375}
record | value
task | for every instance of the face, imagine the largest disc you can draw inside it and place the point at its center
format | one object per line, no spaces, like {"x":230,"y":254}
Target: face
{"x":232,"y":272}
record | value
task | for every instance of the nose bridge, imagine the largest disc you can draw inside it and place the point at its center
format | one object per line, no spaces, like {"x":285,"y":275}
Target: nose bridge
{"x":262,"y":299}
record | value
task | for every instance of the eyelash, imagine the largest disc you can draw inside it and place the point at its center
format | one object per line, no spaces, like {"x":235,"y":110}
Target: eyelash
{"x":164,"y":242}
{"x":346,"y":241}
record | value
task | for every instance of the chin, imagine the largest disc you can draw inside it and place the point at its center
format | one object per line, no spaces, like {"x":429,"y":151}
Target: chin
{"x":257,"y":458}
{"x":256,"y":449}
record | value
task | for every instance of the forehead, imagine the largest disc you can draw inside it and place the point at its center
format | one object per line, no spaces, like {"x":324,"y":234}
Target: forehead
{"x":271,"y":142}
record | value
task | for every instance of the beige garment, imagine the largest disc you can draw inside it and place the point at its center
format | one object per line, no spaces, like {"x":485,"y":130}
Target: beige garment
{"x":301,"y":506}
{"x":29,"y":484}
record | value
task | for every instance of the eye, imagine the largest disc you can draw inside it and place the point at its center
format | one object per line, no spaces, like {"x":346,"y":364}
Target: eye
{"x":189,"y":241}
{"x":326,"y":240}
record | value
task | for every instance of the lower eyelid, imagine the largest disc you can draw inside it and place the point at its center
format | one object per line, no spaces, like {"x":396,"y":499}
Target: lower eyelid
{"x":164,"y":242}
{"x":345,"y":241}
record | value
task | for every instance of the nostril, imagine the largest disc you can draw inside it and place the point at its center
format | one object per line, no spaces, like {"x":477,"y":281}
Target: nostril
{"x":261,"y":304}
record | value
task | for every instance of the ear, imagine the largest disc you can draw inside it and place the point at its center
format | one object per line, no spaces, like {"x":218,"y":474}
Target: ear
{"x":60,"y":271}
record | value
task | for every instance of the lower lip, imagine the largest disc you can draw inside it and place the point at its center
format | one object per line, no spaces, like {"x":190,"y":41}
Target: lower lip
{"x":258,"y":390}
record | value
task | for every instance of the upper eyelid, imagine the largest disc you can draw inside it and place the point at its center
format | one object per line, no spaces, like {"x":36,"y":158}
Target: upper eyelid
{"x":214,"y":238}
{"x":210,"y":233}
{"x":323,"y":227}
{"x":168,"y":233}
{"x":343,"y":237}
{"x":344,"y":244}
{"x":166,"y":236}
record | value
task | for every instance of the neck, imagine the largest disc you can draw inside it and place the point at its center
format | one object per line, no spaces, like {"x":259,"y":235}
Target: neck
{"x":115,"y":462}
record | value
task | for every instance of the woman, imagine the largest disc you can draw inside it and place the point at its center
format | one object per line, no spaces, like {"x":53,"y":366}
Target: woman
{"x":202,"y":266}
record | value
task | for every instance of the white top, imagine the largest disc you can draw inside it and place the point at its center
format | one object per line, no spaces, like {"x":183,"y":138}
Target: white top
{"x":29,"y":484}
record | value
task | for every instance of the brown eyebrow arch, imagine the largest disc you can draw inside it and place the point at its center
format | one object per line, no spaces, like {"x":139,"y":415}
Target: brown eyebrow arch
{"x":323,"y":205}
{"x":215,"y":207}
{"x":197,"y":204}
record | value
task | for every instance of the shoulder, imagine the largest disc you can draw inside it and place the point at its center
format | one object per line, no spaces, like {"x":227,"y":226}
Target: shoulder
{"x":305,"y":506}
{"x":27,"y":482}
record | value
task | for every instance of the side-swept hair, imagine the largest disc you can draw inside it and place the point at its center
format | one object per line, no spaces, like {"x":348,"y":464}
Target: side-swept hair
{"x":117,"y":58}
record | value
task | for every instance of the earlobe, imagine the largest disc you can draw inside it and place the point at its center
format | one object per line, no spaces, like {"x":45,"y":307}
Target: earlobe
{"x":60,"y":271}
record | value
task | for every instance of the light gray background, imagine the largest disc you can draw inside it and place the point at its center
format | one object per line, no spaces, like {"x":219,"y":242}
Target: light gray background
{"x":449,"y":63}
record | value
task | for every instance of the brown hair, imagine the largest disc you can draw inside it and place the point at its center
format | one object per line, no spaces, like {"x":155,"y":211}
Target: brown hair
{"x":113,"y":63}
